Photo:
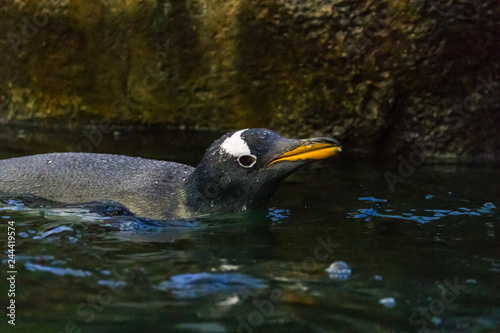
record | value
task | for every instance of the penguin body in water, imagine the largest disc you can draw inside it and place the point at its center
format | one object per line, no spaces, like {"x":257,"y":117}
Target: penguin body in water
{"x":239,"y":171}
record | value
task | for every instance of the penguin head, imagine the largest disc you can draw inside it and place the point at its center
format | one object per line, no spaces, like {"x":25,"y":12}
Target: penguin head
{"x":242,"y":169}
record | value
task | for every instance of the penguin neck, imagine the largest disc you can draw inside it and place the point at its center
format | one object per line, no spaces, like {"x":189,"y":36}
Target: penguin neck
{"x":208,"y":192}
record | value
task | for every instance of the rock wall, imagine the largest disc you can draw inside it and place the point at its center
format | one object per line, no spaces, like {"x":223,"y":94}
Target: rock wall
{"x":383,"y":76}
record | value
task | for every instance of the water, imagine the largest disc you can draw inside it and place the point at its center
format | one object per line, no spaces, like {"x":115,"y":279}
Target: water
{"x":424,"y":257}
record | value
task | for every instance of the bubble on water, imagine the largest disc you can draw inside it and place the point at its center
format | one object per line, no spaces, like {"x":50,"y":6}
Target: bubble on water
{"x":339,"y":271}
{"x":388,"y":302}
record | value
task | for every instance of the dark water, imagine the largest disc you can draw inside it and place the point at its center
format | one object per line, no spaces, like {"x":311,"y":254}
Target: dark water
{"x":425,"y":257}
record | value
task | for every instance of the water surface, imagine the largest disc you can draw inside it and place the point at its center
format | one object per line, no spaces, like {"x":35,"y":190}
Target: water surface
{"x":425,"y":257}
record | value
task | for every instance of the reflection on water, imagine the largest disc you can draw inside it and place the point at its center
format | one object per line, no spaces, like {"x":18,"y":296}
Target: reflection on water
{"x":426,"y":257}
{"x":205,"y":284}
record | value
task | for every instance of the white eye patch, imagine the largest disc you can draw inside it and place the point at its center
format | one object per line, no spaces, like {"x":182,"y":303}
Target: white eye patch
{"x":235,"y":145}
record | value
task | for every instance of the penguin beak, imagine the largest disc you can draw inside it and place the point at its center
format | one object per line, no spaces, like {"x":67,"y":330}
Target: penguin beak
{"x":310,"y":149}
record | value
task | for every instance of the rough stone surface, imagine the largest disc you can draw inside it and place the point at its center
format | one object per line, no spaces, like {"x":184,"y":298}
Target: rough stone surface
{"x":383,"y":76}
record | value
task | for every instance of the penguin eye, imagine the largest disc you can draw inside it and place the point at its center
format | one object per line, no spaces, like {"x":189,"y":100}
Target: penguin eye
{"x":247,"y":161}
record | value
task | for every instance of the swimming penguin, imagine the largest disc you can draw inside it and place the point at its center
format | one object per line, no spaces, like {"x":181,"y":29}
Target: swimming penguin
{"x":239,"y":171}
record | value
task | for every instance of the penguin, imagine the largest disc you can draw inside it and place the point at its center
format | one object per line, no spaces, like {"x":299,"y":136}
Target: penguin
{"x":240,"y":171}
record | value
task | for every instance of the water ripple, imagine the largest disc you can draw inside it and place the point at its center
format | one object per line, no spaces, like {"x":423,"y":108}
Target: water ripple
{"x":204,"y":284}
{"x":54,"y":232}
{"x":433,"y":214}
{"x":56,"y":270}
